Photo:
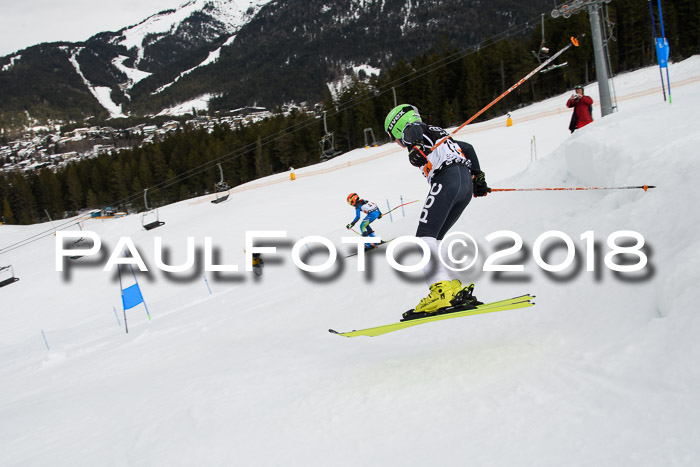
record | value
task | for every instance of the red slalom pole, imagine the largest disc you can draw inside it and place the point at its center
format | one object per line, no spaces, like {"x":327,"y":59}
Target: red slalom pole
{"x":574,"y":42}
{"x":578,"y":188}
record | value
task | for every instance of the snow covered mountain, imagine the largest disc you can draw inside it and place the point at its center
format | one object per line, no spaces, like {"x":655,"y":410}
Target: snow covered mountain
{"x":234,"y":50}
{"x":162,"y":46}
{"x":240,"y":370}
{"x":165,"y":40}
{"x":194,"y":24}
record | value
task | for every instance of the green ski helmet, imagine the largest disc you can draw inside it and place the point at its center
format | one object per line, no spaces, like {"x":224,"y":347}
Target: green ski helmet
{"x":398,"y":118}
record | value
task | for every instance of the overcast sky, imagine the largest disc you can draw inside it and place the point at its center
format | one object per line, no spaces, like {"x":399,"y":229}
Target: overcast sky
{"x":29,"y":22}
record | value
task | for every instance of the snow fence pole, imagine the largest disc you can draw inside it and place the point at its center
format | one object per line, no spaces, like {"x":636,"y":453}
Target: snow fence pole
{"x":573,"y":41}
{"x":46,"y":343}
{"x":119,"y":323}
{"x":207,"y":283}
{"x":577,"y":188}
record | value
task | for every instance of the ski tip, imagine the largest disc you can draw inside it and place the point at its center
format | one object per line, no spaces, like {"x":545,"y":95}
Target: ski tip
{"x":344,"y":334}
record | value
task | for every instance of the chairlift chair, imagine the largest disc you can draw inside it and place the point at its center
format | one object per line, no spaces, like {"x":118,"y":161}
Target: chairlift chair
{"x":328,"y":150}
{"x":77,"y":243}
{"x":220,"y":187}
{"x":542,"y":54}
{"x":81,"y":240}
{"x":327,"y":143}
{"x":150,"y":219}
{"x":7,"y":275}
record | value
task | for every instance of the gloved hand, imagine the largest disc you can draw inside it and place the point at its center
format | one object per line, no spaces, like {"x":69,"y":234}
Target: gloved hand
{"x":479,"y":182}
{"x":349,"y":226}
{"x":417,"y":155}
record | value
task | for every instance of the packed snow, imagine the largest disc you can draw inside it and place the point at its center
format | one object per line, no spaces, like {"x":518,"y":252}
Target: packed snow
{"x":241,"y":370}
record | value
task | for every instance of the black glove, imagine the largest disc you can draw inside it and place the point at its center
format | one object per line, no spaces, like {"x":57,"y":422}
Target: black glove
{"x":349,"y":226}
{"x":417,"y":155}
{"x":479,"y":182}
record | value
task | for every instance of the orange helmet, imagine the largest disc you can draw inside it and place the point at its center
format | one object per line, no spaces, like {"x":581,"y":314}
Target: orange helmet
{"x":353,"y":198}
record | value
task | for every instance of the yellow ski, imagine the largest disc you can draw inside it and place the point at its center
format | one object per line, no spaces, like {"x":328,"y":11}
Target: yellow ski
{"x":523,"y":301}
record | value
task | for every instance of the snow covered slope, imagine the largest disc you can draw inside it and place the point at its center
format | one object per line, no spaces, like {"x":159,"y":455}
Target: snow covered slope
{"x":101,"y":93}
{"x":602,"y":371}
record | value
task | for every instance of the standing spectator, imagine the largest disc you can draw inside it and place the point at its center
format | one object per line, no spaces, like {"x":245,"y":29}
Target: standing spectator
{"x":583,"y":109}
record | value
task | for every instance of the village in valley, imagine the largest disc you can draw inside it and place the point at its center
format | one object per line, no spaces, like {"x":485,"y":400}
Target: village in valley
{"x":48,"y":146}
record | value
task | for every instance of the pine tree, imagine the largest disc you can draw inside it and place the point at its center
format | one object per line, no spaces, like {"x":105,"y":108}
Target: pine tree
{"x":91,"y":199}
{"x":118,"y":187}
{"x":75,"y":189}
{"x":259,"y":161}
{"x":49,"y":194}
{"x":145,"y":171}
{"x":7,"y":215}
{"x":22,"y":200}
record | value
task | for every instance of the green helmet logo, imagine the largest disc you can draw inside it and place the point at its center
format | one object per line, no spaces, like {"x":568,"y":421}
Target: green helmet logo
{"x":398,"y":118}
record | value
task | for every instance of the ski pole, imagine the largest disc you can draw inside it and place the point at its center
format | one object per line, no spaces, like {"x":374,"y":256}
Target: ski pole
{"x":397,"y":207}
{"x":573,"y":42}
{"x":404,"y":204}
{"x":578,"y":188}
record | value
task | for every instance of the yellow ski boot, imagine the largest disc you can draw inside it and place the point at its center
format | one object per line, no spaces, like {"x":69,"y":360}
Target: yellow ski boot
{"x":441,"y":293}
{"x":444,"y":297}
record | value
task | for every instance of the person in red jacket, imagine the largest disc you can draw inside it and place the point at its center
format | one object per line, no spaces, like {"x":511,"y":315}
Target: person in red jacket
{"x":583,"y":109}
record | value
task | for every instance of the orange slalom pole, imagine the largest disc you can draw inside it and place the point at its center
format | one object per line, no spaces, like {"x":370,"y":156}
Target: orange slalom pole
{"x":578,"y":188}
{"x":574,"y":42}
